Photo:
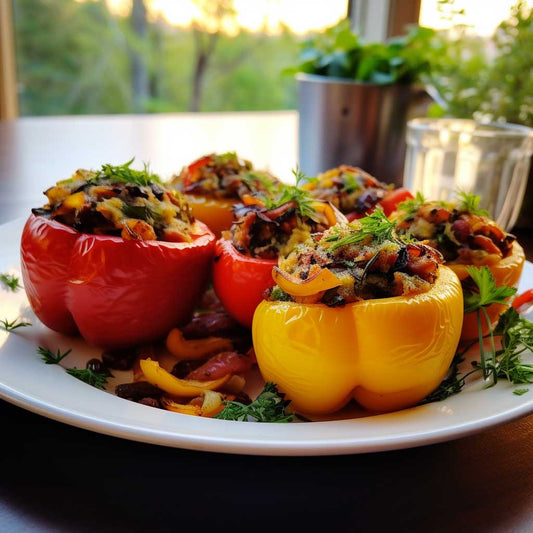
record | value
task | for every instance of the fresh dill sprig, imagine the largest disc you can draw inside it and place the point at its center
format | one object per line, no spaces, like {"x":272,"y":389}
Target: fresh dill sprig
{"x":375,"y":226}
{"x":13,"y":324}
{"x":269,"y":406}
{"x":470,"y":203}
{"x":124,"y":174}
{"x":51,"y":358}
{"x":89,"y":376}
{"x":11,"y":281}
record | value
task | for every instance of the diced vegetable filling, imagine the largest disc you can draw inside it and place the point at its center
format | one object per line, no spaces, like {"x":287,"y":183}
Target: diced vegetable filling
{"x":462,"y":232}
{"x":349,"y":189}
{"x":119,"y":201}
{"x":222,"y":176}
{"x":367,"y":259}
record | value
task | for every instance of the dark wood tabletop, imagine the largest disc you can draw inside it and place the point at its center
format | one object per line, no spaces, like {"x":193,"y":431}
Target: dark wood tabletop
{"x":56,"y":477}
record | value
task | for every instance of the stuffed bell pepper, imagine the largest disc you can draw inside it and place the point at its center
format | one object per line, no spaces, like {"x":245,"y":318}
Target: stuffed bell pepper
{"x":358,"y":313}
{"x":466,"y":236}
{"x":355,"y":192}
{"x":263,"y":228}
{"x":115,"y":256}
{"x":214,"y":183}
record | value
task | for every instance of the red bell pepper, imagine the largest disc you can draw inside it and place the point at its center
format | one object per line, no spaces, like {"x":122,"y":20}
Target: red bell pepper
{"x":239,"y":281}
{"x":114,"y":292}
{"x":391,"y":200}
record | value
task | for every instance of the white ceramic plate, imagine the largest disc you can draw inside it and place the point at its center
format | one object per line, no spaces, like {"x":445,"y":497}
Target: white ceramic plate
{"x":49,"y":391}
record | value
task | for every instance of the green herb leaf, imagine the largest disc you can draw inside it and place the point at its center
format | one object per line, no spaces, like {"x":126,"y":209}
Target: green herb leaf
{"x":470,"y":203}
{"x":411,"y":206}
{"x":51,"y":358}
{"x":487,"y":292}
{"x":269,"y":406}
{"x":11,"y":281}
{"x":125,"y":174}
{"x":376,"y":226}
{"x":14,"y":324}
{"x":519,"y":392}
{"x":89,"y":376}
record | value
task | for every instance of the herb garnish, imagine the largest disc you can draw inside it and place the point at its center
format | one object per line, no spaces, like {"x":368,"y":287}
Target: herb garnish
{"x":87,"y":375}
{"x":11,"y":281}
{"x":514,"y":332}
{"x":293,"y":193}
{"x":123,"y":173}
{"x":410,"y":207}
{"x":14,"y":324}
{"x":269,"y":406}
{"x":375,"y":226}
{"x":51,"y":358}
{"x":470,"y":203}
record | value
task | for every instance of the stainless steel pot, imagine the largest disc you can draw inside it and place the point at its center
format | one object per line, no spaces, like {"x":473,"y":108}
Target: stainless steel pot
{"x":360,"y":124}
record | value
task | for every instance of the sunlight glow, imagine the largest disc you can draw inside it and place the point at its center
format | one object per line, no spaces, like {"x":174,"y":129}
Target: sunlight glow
{"x":482,"y":16}
{"x":300,"y":16}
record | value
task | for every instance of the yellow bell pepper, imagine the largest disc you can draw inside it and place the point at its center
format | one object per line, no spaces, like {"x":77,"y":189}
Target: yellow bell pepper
{"x":506,"y":271}
{"x":387,"y":353}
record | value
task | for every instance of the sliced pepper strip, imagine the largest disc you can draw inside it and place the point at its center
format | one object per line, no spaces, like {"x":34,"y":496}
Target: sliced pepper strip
{"x":188,"y":388}
{"x":522,"y":300}
{"x":182,"y":348}
{"x":323,"y":280}
{"x":211,"y":405}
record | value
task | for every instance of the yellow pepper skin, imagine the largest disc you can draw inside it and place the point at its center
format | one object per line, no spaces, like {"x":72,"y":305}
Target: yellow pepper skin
{"x":387,"y":353}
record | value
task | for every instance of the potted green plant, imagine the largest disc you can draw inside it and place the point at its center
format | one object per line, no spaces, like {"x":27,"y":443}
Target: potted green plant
{"x":354,"y":99}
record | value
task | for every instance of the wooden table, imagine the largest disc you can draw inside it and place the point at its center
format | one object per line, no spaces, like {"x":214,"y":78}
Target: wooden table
{"x":55,"y":477}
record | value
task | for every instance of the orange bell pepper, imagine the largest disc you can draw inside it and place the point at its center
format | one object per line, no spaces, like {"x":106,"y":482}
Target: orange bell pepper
{"x":386,"y":353}
{"x":506,"y":271}
{"x":216,"y":213}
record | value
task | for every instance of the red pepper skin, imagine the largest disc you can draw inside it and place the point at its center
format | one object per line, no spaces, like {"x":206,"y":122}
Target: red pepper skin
{"x":239,"y":281}
{"x":115,"y":292}
{"x":389,"y":203}
{"x":391,"y":200}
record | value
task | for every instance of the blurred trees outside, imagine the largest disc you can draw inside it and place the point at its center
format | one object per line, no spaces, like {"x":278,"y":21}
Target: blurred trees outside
{"x":78,"y":58}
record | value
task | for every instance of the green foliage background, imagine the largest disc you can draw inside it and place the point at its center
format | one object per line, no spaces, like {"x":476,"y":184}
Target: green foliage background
{"x":74,"y":58}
